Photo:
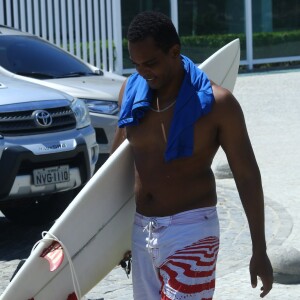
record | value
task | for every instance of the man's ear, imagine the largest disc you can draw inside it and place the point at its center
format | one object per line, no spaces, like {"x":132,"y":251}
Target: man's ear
{"x":175,"y":51}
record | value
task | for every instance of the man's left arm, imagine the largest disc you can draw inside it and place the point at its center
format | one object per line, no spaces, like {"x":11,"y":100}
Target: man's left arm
{"x":234,"y":139}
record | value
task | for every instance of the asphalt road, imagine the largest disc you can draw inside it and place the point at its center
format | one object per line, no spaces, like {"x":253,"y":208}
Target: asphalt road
{"x":16,"y":242}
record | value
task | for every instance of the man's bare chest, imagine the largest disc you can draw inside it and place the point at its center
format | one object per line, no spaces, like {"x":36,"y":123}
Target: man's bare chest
{"x":153,"y":132}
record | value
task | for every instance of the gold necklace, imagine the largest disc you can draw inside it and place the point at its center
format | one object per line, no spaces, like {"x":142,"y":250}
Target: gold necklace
{"x":159,"y":111}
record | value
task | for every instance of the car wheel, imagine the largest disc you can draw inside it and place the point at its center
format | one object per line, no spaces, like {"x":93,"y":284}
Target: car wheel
{"x":40,"y":210}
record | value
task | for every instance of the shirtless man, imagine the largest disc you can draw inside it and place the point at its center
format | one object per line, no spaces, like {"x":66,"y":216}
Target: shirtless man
{"x":175,"y":188}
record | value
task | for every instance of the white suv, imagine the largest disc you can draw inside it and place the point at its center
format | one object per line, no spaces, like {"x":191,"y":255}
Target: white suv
{"x":48,"y":150}
{"x":31,"y":58}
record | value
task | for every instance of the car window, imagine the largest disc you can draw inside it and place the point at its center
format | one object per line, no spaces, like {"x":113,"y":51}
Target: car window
{"x":31,"y":56}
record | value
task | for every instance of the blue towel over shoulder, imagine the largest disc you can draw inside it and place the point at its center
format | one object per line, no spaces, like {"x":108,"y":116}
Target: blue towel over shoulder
{"x":195,"y":99}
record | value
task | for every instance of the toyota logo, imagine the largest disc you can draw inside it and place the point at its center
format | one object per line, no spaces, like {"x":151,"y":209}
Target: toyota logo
{"x":42,"y":118}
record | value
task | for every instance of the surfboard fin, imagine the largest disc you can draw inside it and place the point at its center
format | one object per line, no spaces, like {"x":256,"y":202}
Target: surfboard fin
{"x":72,"y":297}
{"x":54,"y":254}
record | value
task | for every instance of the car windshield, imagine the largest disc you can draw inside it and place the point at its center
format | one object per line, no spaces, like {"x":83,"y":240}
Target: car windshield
{"x":33,"y":57}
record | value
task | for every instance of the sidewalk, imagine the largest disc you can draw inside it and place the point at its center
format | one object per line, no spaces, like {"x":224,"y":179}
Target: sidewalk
{"x":271,"y":105}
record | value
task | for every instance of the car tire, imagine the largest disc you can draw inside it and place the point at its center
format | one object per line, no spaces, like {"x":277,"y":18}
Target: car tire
{"x":41,"y":210}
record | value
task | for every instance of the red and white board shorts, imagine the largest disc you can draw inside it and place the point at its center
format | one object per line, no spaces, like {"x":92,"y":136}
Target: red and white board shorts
{"x":175,"y":257}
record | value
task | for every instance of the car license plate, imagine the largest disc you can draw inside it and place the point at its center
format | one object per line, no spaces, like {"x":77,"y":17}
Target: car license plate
{"x":51,"y":175}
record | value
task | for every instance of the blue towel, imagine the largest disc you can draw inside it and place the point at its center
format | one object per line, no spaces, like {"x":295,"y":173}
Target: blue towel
{"x":194,"y":100}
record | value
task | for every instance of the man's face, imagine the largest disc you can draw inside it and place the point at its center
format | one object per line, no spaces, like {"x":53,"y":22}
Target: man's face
{"x":152,"y":63}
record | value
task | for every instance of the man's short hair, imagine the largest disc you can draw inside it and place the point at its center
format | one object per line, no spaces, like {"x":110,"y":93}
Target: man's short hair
{"x":156,"y":25}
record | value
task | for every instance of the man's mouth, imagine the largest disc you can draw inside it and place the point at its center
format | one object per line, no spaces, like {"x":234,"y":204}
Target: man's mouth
{"x":149,"y":79}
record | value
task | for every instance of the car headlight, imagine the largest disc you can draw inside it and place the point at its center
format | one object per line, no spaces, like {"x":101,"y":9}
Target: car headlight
{"x":81,"y":113}
{"x":102,"y":106}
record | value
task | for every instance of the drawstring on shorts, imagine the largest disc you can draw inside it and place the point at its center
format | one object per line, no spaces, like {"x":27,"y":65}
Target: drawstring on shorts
{"x":150,"y":227}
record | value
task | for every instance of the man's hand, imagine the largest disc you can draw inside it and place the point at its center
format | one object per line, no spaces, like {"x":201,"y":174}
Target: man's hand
{"x":260,"y":266}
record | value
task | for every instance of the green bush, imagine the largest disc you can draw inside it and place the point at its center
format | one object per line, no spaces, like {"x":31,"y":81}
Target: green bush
{"x":259,"y":39}
{"x":273,"y":38}
{"x":210,"y":41}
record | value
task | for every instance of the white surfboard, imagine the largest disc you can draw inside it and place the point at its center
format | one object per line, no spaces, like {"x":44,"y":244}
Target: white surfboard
{"x":222,"y":67}
{"x":95,"y":228}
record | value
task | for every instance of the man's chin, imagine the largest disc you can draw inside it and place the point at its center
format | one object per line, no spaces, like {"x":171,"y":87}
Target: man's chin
{"x":152,"y":83}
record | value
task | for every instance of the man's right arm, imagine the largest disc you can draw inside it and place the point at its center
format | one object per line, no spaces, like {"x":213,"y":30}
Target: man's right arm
{"x":120,"y":134}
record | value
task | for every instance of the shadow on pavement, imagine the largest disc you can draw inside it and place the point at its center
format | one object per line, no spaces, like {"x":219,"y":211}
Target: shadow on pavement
{"x":16,"y":241}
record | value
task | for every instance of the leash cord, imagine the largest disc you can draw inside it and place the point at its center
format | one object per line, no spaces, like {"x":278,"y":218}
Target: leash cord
{"x":72,"y":268}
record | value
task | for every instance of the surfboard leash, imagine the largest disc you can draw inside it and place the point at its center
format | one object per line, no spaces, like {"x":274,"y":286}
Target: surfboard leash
{"x":57,"y":245}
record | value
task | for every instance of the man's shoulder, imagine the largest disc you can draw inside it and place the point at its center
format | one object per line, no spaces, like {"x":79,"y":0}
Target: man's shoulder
{"x":220,"y":93}
{"x":225,"y":103}
{"x":223,"y":97}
